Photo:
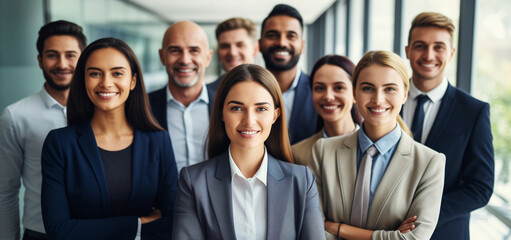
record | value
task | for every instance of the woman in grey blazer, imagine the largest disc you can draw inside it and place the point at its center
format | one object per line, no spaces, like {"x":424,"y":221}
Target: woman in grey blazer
{"x":332,"y":96}
{"x":400,"y":197}
{"x":248,"y":189}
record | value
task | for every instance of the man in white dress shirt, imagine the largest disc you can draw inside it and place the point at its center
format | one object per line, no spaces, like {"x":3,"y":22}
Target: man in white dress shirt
{"x":25,"y":124}
{"x":183,"y":106}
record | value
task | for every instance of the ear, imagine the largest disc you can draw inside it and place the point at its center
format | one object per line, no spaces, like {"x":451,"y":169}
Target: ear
{"x":276,"y":114}
{"x":162,"y":56}
{"x":256,"y":48}
{"x":133,"y":81}
{"x":406,"y":97}
{"x":40,"y":61}
{"x":259,"y":44}
{"x":406,"y":51}
{"x":303,"y":46}
{"x":452,"y":53}
{"x":208,"y":57}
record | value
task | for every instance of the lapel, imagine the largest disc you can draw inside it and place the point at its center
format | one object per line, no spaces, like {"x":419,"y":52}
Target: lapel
{"x":159,"y":106}
{"x":393,"y":176}
{"x":279,"y":198}
{"x":444,"y":113}
{"x":300,"y":100}
{"x":89,"y":147}
{"x":219,"y":189}
{"x":138,"y":165}
{"x":346,"y":161}
{"x":211,"y":96}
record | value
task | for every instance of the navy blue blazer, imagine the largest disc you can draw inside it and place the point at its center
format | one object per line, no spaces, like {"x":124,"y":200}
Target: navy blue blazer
{"x":158,"y":101}
{"x":462,"y":132}
{"x":75,"y":199}
{"x":303,"y":118}
{"x":204,"y":202}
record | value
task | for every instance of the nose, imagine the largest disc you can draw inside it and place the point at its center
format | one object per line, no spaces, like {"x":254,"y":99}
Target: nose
{"x":233,"y":51}
{"x":429,"y":53}
{"x":106,"y":81}
{"x":61,"y":63}
{"x":283,"y":42}
{"x":248,"y":118}
{"x":329,"y":95}
{"x":186,"y":58}
{"x":378,"y":97}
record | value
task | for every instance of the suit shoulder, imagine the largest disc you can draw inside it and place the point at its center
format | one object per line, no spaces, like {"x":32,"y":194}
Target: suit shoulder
{"x":157,"y":93}
{"x":468,"y":100}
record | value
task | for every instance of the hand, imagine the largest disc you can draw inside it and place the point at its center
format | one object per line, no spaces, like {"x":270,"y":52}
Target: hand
{"x":407,"y":225}
{"x":154,"y":215}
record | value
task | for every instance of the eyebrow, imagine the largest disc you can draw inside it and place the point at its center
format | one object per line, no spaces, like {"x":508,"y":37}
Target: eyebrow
{"x":55,"y":51}
{"x":98,"y":69}
{"x":388,"y":84}
{"x":422,"y":42}
{"x":240,"y":103}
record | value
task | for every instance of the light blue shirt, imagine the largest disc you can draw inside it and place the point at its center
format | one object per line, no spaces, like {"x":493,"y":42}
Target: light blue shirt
{"x":188,"y":127}
{"x":386,"y":148}
{"x":23,"y":129}
{"x":289,"y":96}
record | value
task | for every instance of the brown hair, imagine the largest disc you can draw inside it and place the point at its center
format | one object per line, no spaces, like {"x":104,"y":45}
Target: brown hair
{"x":80,"y":108}
{"x":237,"y":23}
{"x":386,"y":59}
{"x":277,"y":143}
{"x":432,"y":19}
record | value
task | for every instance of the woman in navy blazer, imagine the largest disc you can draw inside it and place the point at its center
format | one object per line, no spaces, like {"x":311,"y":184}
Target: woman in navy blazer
{"x":248,"y":143}
{"x":111,"y":173}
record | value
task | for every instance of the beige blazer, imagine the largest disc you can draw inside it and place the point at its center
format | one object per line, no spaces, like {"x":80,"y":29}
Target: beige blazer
{"x":302,"y":151}
{"x":411,"y":186}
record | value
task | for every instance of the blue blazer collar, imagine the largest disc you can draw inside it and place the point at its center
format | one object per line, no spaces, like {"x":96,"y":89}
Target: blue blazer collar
{"x":220,"y":192}
{"x":444,"y":113}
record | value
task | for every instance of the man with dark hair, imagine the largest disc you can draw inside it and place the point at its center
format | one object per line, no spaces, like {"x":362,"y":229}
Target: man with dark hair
{"x":282,"y":44}
{"x":237,"y":44}
{"x":449,"y":121}
{"x":25,"y":124}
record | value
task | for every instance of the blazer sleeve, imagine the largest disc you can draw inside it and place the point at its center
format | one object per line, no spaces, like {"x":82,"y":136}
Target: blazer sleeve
{"x":477,"y":172}
{"x":313,"y":227}
{"x":425,"y":204}
{"x":162,"y":228}
{"x":55,"y":208}
{"x":186,"y":220}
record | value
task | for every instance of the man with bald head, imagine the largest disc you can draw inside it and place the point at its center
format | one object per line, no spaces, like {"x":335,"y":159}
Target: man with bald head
{"x":183,"y":106}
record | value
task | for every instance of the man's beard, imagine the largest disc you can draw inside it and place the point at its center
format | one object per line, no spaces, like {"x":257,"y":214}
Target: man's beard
{"x":279,"y":67}
{"x":52,"y":83}
{"x":185,"y":85}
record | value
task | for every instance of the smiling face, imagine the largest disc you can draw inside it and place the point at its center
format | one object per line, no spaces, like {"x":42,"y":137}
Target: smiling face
{"x":281,"y":43}
{"x":108,"y":79}
{"x":58,"y":60}
{"x":380,"y":94}
{"x":185,"y":54}
{"x":235,"y":47}
{"x":248,"y":113}
{"x":332,"y":93}
{"x":429,"y":52}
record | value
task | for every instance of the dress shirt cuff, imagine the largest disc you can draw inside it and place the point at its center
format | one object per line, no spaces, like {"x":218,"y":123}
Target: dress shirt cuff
{"x":139,"y":228}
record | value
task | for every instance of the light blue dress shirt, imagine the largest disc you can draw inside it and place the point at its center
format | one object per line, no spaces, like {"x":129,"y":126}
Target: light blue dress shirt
{"x":23,"y":129}
{"x":386,"y":148}
{"x":289,"y":96}
{"x":188,"y":127}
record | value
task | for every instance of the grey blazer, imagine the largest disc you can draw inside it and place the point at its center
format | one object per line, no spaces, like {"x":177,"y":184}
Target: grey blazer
{"x":204,"y":204}
{"x":411,"y":186}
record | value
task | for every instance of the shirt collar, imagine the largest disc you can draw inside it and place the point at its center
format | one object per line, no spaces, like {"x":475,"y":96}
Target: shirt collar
{"x":295,"y":81}
{"x":384,"y":144}
{"x":434,"y":95}
{"x":261,"y":173}
{"x":203,"y":96}
{"x":49,"y":101}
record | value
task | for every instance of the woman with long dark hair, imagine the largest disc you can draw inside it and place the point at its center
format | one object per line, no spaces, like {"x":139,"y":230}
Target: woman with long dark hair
{"x":111,"y":173}
{"x":249,"y":186}
{"x":378,"y":183}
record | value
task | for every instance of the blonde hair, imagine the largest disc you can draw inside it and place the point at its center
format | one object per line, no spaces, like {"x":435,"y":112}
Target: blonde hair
{"x":386,"y":59}
{"x":237,"y":23}
{"x":432,"y":19}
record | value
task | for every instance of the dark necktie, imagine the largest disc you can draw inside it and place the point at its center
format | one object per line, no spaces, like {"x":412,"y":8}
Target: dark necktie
{"x":418,"y":117}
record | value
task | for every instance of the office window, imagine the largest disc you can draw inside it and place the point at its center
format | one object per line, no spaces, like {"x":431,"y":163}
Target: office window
{"x":381,"y":34}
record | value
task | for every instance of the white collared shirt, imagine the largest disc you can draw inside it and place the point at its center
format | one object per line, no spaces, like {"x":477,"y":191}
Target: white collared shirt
{"x":188,"y":127}
{"x":23,"y":129}
{"x":431,"y":106}
{"x":249,"y":201}
{"x":289,"y":96}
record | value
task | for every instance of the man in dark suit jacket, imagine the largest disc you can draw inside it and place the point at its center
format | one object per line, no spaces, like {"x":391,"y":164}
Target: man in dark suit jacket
{"x":282,"y":44}
{"x":237,"y":44}
{"x":184,"y":105}
{"x":454,"y":123}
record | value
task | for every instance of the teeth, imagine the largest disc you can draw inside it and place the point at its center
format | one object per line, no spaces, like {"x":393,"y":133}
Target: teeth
{"x":378,"y":110}
{"x":185,"y":70}
{"x":330,"y":107}
{"x":107,"y":94}
{"x":282,"y":53}
{"x":428,"y":65}
{"x":249,"y":132}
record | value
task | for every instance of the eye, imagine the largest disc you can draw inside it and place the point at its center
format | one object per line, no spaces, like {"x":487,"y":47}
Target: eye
{"x":390,"y":89}
{"x":51,"y":55}
{"x":195,"y":51}
{"x":339,"y":88}
{"x":94,"y":74}
{"x":174,"y":51}
{"x":236,"y":109}
{"x":319,"y":88}
{"x":367,"y":89}
{"x":118,"y":74}
{"x":262,"y":109}
{"x":419,"y":46}
{"x":292,"y":36}
{"x":70,"y":56}
{"x":271,"y":35}
{"x":439,"y":48}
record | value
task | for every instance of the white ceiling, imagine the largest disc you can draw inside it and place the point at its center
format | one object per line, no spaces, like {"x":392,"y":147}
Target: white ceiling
{"x":215,"y":11}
